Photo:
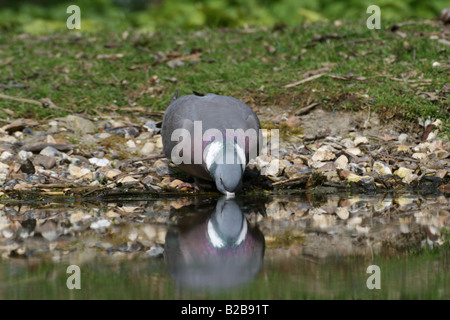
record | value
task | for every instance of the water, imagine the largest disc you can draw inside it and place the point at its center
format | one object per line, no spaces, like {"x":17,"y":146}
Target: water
{"x":275,"y":247}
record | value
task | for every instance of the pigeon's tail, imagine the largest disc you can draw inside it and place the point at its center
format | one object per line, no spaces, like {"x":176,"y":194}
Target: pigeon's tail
{"x":174,"y":97}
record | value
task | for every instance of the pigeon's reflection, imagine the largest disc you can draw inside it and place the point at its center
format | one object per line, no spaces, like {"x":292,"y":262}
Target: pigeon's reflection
{"x":215,"y":250}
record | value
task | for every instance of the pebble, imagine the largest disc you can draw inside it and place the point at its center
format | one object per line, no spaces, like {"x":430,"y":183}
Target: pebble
{"x":354,"y":151}
{"x":342,"y":213}
{"x":131,"y":144}
{"x":272,"y":169}
{"x":148,"y":148}
{"x":6,"y":155}
{"x":128,"y":180}
{"x":79,"y":172}
{"x":161,"y":168}
{"x":323,"y":154}
{"x":381,"y":168}
{"x":111,"y":174}
{"x":402,"y":172}
{"x":155,"y":251}
{"x":360,"y":140}
{"x":45,"y":161}
{"x":79,"y":124}
{"x":50,"y":152}
{"x":99,"y":162}
{"x":100,"y":224}
{"x":341,"y":162}
{"x":419,"y":155}
{"x":24,"y":155}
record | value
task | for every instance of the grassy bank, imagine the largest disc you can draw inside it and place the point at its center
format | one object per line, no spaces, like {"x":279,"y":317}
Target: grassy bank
{"x":398,"y":71}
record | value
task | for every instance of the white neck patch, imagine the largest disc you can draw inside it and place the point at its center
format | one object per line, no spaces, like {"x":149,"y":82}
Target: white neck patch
{"x":217,"y":242}
{"x":214,"y":150}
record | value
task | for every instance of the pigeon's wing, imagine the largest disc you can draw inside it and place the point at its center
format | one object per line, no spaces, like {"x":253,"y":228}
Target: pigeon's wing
{"x":174,"y":118}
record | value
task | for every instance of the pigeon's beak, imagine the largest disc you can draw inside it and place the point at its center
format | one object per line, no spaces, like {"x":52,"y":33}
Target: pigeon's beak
{"x":229,"y":195}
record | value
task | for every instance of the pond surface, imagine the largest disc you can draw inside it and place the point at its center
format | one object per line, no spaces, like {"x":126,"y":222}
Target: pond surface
{"x":274,"y":247}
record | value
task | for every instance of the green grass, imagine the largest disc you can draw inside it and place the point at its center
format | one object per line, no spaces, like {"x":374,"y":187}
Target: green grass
{"x":65,"y":68}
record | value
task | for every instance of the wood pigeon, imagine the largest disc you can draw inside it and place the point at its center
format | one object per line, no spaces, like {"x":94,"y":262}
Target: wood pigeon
{"x":211,"y":137}
{"x":214,"y":248}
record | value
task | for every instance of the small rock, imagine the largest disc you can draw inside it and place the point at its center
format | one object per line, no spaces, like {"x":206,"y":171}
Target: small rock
{"x":323,"y":154}
{"x":410,"y":177}
{"x":161,"y":168}
{"x":111,"y":174}
{"x":175,"y":183}
{"x":158,"y":142}
{"x":381,"y":168}
{"x":151,"y":127}
{"x":360,"y":140}
{"x":79,"y":124}
{"x":342,"y":213}
{"x":155,"y":251}
{"x":102,"y":136}
{"x":100,"y":224}
{"x":45,"y":161}
{"x":131,"y":144}
{"x":402,"y":172}
{"x":419,"y":155}
{"x":50,"y":152}
{"x":128,"y":180}
{"x":272,"y":169}
{"x":354,"y":151}
{"x":403,"y":138}
{"x":148,"y":148}
{"x":6,"y":155}
{"x":28,"y":167}
{"x":341,"y":162}
{"x":99,"y":162}
{"x":79,"y":172}
{"x":3,"y":177}
{"x":3,"y":166}
{"x":35,"y":179}
{"x":24,"y":155}
{"x":48,"y":230}
{"x":364,"y":179}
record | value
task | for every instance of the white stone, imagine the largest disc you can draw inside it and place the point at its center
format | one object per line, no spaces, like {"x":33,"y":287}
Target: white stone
{"x":360,"y":140}
{"x":100,"y":224}
{"x":419,"y":155}
{"x":49,"y":152}
{"x":78,"y":172}
{"x":148,"y":148}
{"x":403,"y":138}
{"x":272,"y":169}
{"x":402,"y":172}
{"x":341,"y":162}
{"x":128,"y":180}
{"x":131,"y":144}
{"x":342,"y":213}
{"x":323,"y":154}
{"x":381,"y":168}
{"x":354,"y":151}
{"x":99,"y":162}
{"x":5,"y":155}
{"x":110,"y":174}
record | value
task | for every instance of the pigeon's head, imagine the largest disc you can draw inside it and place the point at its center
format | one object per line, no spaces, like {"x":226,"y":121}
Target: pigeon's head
{"x":226,"y":164}
{"x":228,"y":178}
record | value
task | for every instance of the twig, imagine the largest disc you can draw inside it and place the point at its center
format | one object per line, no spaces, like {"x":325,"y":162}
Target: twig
{"x":306,"y":109}
{"x":304,"y":80}
{"x":154,"y":157}
{"x":288,"y":181}
{"x":4,"y":96}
